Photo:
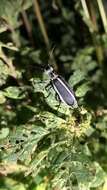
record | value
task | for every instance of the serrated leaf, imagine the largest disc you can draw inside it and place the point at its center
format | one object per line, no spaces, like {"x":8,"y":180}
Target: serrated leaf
{"x":39,"y":86}
{"x":49,"y":94}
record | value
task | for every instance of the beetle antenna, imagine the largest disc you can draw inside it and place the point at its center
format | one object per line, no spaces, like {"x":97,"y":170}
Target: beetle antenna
{"x":51,"y":53}
{"x":52,"y":58}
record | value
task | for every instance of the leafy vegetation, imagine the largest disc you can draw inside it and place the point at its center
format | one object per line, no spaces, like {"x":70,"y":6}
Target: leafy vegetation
{"x":44,"y":146}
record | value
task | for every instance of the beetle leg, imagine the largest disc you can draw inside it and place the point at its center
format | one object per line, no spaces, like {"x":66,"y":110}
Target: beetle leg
{"x":58,"y":99}
{"x":48,"y":95}
{"x":48,"y":86}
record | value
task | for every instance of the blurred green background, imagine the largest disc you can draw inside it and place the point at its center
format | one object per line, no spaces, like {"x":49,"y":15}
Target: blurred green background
{"x":43,"y":146}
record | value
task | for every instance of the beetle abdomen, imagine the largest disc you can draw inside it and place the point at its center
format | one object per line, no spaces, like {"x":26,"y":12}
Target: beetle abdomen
{"x":63,"y":90}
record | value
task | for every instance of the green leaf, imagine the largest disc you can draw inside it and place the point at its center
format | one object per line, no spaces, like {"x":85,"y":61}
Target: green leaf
{"x":82,"y":90}
{"x":65,"y":58}
{"x":9,"y":10}
{"x":39,"y":85}
{"x":14,"y":93}
{"x":4,"y":72}
{"x":2,"y":98}
{"x":4,"y":132}
{"x":9,"y":45}
{"x":77,"y":77}
{"x":13,"y":184}
{"x":42,"y":186}
{"x":37,"y":162}
{"x":84,"y":61}
{"x":100,"y":176}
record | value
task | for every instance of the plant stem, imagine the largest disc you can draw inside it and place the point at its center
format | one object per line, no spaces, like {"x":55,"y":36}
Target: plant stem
{"x":9,"y":63}
{"x":103,"y":14}
{"x":14,"y":36}
{"x":41,"y":22}
{"x":85,"y":8}
{"x":89,"y":11}
{"x":92,"y":13}
{"x":28,"y":26}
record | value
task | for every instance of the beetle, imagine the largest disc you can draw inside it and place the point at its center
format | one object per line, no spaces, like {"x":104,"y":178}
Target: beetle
{"x":63,"y":91}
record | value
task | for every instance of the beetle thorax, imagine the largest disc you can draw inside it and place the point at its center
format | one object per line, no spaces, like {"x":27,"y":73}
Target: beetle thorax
{"x":51,"y":73}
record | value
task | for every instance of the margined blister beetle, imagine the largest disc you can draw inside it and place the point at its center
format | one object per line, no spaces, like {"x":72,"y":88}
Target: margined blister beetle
{"x":63,"y":91}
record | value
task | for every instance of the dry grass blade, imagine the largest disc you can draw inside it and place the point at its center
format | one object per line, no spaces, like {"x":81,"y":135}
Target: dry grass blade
{"x":103,"y":14}
{"x":41,"y":22}
{"x":85,"y":8}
